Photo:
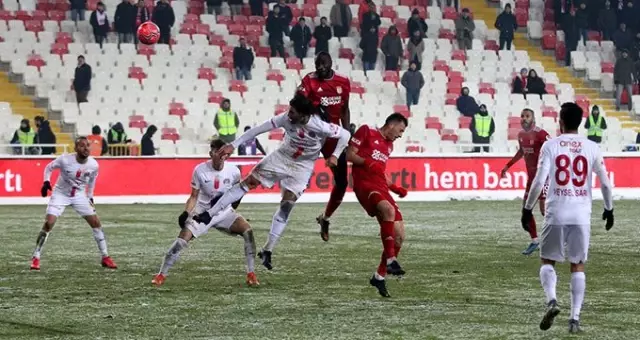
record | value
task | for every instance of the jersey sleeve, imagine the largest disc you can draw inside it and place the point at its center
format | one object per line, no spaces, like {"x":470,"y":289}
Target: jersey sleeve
{"x":91,"y":186}
{"x":359,"y":137}
{"x":48,"y":170}
{"x":605,"y":185}
{"x":273,"y":123}
{"x":236,"y":175}
{"x":195,"y":183}
{"x":346,"y":91}
{"x":305,"y":86}
{"x":543,"y":136}
{"x":544,"y":166}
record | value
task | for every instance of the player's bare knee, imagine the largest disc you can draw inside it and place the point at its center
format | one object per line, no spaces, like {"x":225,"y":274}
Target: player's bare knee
{"x":577,"y":267}
{"x":251,"y":182}
{"x":283,"y":213}
{"x":386,"y":211}
{"x":185,"y":234}
{"x":239,"y":226}
{"x":93,"y":221}
{"x":49,"y":223}
{"x":549,"y":262}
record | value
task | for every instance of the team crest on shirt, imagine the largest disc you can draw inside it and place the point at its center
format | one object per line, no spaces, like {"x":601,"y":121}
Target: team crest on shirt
{"x":226,"y":181}
{"x":339,"y":89}
{"x":312,"y":134}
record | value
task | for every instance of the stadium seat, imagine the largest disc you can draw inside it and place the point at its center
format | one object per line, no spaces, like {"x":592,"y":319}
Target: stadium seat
{"x":170,"y":134}
{"x":177,"y":109}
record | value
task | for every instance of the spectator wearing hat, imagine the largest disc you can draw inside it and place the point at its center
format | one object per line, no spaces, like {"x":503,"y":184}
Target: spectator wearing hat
{"x":482,"y":128}
{"x":464,"y":30}
{"x":416,"y":23}
{"x":147,"y":148}
{"x":506,"y":23}
{"x":226,"y":122}
{"x":595,"y":125}
{"x":466,"y":104}
{"x":535,"y":84}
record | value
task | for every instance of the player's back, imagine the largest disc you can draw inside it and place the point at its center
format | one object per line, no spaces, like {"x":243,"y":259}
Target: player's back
{"x":572,"y":159}
{"x":213,"y":183}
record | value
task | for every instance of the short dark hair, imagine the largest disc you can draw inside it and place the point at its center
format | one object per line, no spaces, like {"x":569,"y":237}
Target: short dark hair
{"x":80,"y":138}
{"x":396,"y":118}
{"x":571,"y":116}
{"x":216,"y":144}
{"x":96,"y":130}
{"x":302,"y":104}
{"x":530,"y":110}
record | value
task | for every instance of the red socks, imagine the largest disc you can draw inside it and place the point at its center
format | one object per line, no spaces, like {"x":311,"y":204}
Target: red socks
{"x":382,"y":267}
{"x":387,"y":234}
{"x":335,"y":199}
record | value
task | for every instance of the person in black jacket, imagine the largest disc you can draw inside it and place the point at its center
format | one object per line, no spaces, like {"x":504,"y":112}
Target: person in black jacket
{"x":607,"y":21}
{"x":164,"y":17}
{"x":466,"y":104}
{"x":571,"y":35}
{"x":286,"y":16}
{"x":416,"y":23}
{"x":623,"y":78}
{"x":81,"y":83}
{"x":100,"y":24}
{"x":141,"y":15}
{"x":45,"y":135}
{"x":146,"y":143}
{"x":520,"y":82}
{"x":369,"y":45}
{"x":301,"y":37}
{"x":582,"y":21}
{"x":215,"y":6}
{"x":322,"y":34}
{"x":535,"y":84}
{"x":629,"y":16}
{"x":243,"y":60}
{"x":506,"y":23}
{"x":77,"y":8}
{"x":124,"y":21}
{"x":275,"y":29}
{"x":561,"y":9}
{"x":370,"y":20}
{"x":622,"y":39}
{"x":255,"y":5}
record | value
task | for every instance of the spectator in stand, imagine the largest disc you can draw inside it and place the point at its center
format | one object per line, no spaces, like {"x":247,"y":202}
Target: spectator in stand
{"x":535,"y":84}
{"x":116,"y":139}
{"x":464,"y":30}
{"x":629,"y":16}
{"x":215,"y":7}
{"x":595,"y":125}
{"x":453,"y":3}
{"x":416,"y":23}
{"x":77,"y":8}
{"x":124,"y":21}
{"x":255,"y":5}
{"x":622,"y":39}
{"x":637,"y":70}
{"x":301,"y":37}
{"x":286,"y":16}
{"x":251,"y":147}
{"x":623,"y":77}
{"x":466,"y":104}
{"x":520,"y":82}
{"x":235,"y":6}
{"x":24,"y":135}
{"x":81,"y":82}
{"x":100,"y":24}
{"x":634,"y":53}
{"x":275,"y":28}
{"x":507,"y":25}
{"x":142,"y":15}
{"x":571,"y":35}
{"x":391,"y":47}
{"x":98,"y":145}
{"x":165,"y":18}
{"x":243,"y":60}
{"x":482,"y":128}
{"x":607,"y":21}
{"x":322,"y":33}
{"x":366,"y":7}
{"x":371,"y":19}
{"x":415,"y":47}
{"x":146,"y":142}
{"x":582,"y":21}
{"x":413,"y":81}
{"x":226,"y":122}
{"x":562,"y":9}
{"x":45,"y":135}
{"x":341,"y":17}
{"x":369,"y":46}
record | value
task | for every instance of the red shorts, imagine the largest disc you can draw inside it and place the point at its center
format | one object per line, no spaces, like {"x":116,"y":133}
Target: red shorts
{"x":329,"y":147}
{"x":543,"y":194}
{"x":370,"y":195}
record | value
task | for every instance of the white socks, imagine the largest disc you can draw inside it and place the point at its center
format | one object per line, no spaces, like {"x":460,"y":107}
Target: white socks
{"x":577,"y":293}
{"x":279,"y":222}
{"x":249,"y":250}
{"x":232,"y":195}
{"x":42,"y":238}
{"x":98,"y":235}
{"x":172,"y":255}
{"x":548,"y":279}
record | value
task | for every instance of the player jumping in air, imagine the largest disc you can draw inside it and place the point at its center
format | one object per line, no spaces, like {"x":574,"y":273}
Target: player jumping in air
{"x":210,"y":180}
{"x":569,"y":162}
{"x":329,"y":92}
{"x":291,"y":164}
{"x":74,"y":187}
{"x":369,"y":151}
{"x":530,"y":138}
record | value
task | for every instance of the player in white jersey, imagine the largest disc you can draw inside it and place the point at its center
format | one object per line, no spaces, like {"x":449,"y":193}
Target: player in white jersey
{"x":291,"y":164}
{"x":74,"y":187}
{"x":210,"y":180}
{"x":569,"y":161}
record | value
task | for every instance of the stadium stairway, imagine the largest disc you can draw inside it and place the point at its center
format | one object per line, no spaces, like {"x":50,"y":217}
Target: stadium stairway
{"x":24,"y":105}
{"x":484,"y":11}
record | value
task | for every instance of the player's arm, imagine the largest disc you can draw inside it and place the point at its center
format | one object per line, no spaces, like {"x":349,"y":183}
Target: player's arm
{"x":271,"y":124}
{"x":91,"y":185}
{"x":398,"y":190}
{"x":513,"y":161}
{"x":48,"y":171}
{"x":191,"y":201}
{"x":345,"y":118}
{"x":607,"y":193}
{"x":356,"y":141}
{"x":237,"y":177}
{"x":334,"y":131}
{"x":544,"y":166}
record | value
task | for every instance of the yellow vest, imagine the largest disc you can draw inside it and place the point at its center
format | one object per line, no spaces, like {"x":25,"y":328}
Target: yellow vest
{"x":227,"y":122}
{"x":26,"y":138}
{"x":483,"y":125}
{"x":594,"y":127}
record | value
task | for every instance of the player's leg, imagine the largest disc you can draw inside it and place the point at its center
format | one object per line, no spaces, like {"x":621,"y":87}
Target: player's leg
{"x":241,"y":227}
{"x":551,"y":251}
{"x":278,"y":224}
{"x":577,"y":248}
{"x":386,"y":214}
{"x":180,"y":243}
{"x":55,"y":208}
{"x":534,"y":244}
{"x":340,"y":177}
{"x":84,"y":208}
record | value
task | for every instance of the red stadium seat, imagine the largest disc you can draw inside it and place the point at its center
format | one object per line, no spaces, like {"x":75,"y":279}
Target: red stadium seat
{"x":455,"y":77}
{"x":512,"y":133}
{"x":39,"y":15}
{"x":177,"y":109}
{"x":548,"y":26}
{"x":191,"y":18}
{"x":391,"y":76}
{"x":458,"y":55}
{"x":224,"y":19}
{"x":491,"y":45}
{"x":203,"y":29}
{"x":254,"y":30}
{"x":240,"y":20}
{"x":464,"y":122}
{"x":64,"y":38}
{"x":607,"y":67}
{"x":6,"y":15}
{"x":549,"y":40}
{"x":487,"y":88}
{"x":276,"y":135}
{"x":215,"y":97}
{"x":43,"y":5}
{"x":206,"y":73}
{"x":514,"y":122}
{"x":309,"y":10}
{"x":147,"y":50}
{"x":403,"y":110}
{"x":594,"y":36}
{"x":450,"y":13}
{"x":294,"y":64}
{"x":137,"y":73}
{"x":64,"y":6}
{"x":34,"y":26}
{"x":549,"y":112}
{"x":280,"y":108}
{"x":549,"y":14}
{"x":56,"y":15}
{"x":440,"y":65}
{"x":449,"y":135}
{"x":346,"y":53}
{"x":446,"y":34}
{"x":59,"y":49}
{"x":550,"y":88}
{"x":217,"y":40}
{"x":582,"y":101}
{"x":237,"y":29}
{"x":257,"y":20}
{"x":388,"y":12}
{"x":454,"y":88}
{"x":263,"y":51}
{"x":237,"y":86}
{"x":407,"y":3}
{"x":227,"y":51}
{"x":226,"y":62}
{"x":169,"y":134}
{"x":275,"y":75}
{"x":451,"y":98}
{"x":433,"y":123}
{"x":137,"y":121}
{"x":522,"y":16}
{"x":23,"y":15}
{"x":411,"y":148}
{"x":36,"y":60}
{"x":561,"y":50}
{"x":357,"y":88}
{"x":188,"y":28}
{"x":422,"y":12}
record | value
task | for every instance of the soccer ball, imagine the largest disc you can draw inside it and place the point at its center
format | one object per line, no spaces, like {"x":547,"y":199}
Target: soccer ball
{"x":148,"y":33}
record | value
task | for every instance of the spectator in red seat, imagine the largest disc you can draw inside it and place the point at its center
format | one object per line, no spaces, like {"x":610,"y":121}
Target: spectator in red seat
{"x":466,"y":104}
{"x":416,"y":23}
{"x":301,"y":37}
{"x":506,"y":23}
{"x":275,"y":27}
{"x":607,"y":21}
{"x":146,"y":142}
{"x":369,"y":45}
{"x":98,"y":145}
{"x":235,"y":6}
{"x":413,"y":81}
{"x":482,"y":128}
{"x":571,"y":34}
{"x":165,"y":18}
{"x":215,"y":6}
{"x":226,"y":122}
{"x":45,"y":135}
{"x":341,"y":17}
{"x":77,"y":8}
{"x":520,"y":82}
{"x":243,"y":60}
{"x":124,"y":21}
{"x":100,"y":24}
{"x":464,"y":30}
{"x":142,"y":15}
{"x":251,"y":147}
{"x":623,"y":77}
{"x":286,"y":14}
{"x":415,"y":47}
{"x":535,"y":84}
{"x":81,"y":82}
{"x":582,"y":21}
{"x":392,"y":48}
{"x":322,"y":34}
{"x":622,"y":39}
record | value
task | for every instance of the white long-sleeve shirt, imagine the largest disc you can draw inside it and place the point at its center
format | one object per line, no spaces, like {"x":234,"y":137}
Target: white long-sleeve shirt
{"x":75,"y":178}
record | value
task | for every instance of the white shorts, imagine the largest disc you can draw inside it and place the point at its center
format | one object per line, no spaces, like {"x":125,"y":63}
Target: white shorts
{"x":293,"y":175}
{"x":555,"y":237}
{"x":222,"y":221}
{"x":80,"y":203}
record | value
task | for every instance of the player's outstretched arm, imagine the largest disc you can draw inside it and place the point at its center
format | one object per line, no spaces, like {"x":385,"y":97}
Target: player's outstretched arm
{"x":91,"y":185}
{"x":513,"y":161}
{"x":271,"y":124}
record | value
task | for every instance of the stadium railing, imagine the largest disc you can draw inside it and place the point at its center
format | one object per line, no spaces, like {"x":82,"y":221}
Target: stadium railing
{"x":31,"y":149}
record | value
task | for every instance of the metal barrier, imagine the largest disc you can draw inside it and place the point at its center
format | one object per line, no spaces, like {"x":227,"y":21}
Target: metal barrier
{"x":31,"y":149}
{"x":123,"y":150}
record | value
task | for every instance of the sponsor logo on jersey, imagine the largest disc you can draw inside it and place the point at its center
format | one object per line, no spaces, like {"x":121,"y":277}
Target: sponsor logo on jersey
{"x":379,"y":156}
{"x":330,"y":101}
{"x":355,"y":141}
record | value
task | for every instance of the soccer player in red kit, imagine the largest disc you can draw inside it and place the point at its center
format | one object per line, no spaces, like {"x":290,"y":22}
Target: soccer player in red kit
{"x":530,"y":140}
{"x":329,"y":92}
{"x":369,"y":151}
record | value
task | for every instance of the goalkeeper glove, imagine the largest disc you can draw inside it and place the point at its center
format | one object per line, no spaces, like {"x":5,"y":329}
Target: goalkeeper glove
{"x":182,"y":219}
{"x":527,"y":216}
{"x":203,"y":218}
{"x":400,"y":191}
{"x":46,"y":187}
{"x":607,"y":215}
